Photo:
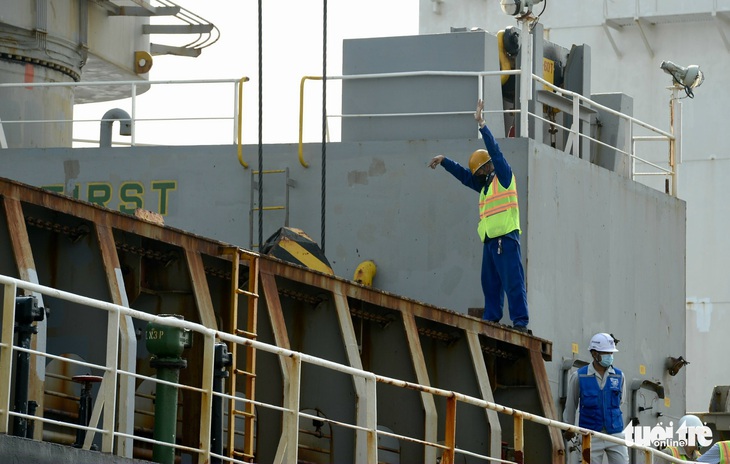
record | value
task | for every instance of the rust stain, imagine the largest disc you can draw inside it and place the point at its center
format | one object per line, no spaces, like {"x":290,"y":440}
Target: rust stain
{"x":586,"y":455}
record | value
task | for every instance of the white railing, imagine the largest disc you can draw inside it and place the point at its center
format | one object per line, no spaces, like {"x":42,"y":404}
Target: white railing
{"x":211,"y":113}
{"x":366,"y":428}
{"x":578,"y":104}
{"x":195,"y":107}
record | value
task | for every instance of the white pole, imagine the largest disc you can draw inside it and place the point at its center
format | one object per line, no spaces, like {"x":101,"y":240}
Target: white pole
{"x":525,"y":77}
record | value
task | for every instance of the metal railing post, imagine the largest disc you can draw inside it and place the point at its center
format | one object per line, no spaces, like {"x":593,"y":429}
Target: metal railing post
{"x":134,"y":114}
{"x":301,"y":118}
{"x":675,"y":127}
{"x":450,"y":431}
{"x":208,"y":439}
{"x":371,"y":419}
{"x":519,"y":439}
{"x":586,"y":449}
{"x":576,"y":127}
{"x":525,"y":78}
{"x":291,"y":417}
{"x":238,"y":117}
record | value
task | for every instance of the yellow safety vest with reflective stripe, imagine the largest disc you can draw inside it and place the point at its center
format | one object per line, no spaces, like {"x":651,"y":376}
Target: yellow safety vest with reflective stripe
{"x":724,"y":447}
{"x":675,"y":452}
{"x":498,"y":210}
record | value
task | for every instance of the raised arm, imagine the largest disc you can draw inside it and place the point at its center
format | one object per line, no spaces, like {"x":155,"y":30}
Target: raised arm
{"x":501,"y":167}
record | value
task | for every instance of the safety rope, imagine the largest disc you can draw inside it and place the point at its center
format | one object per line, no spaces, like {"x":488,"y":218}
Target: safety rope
{"x":261,"y":128}
{"x":324,"y":117}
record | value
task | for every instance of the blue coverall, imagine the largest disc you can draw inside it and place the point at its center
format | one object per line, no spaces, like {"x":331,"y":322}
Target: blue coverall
{"x":502,"y":270}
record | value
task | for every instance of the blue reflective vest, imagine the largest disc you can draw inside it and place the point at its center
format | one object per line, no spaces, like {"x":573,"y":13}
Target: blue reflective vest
{"x":601,"y":409}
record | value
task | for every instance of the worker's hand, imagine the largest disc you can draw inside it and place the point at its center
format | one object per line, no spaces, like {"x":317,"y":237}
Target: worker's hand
{"x":478,"y":113}
{"x":568,"y":435}
{"x":435,"y":161}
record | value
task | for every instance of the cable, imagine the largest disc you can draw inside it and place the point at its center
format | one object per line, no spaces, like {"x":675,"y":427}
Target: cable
{"x":324,"y":118}
{"x":687,"y":89}
{"x":537,"y":19}
{"x":544,"y":5}
{"x":261,"y":127}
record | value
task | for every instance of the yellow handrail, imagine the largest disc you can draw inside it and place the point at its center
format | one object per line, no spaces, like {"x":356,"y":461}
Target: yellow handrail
{"x":301,"y":116}
{"x":240,"y":121}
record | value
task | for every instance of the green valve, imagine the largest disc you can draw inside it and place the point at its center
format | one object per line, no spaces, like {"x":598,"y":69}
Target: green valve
{"x":165,"y":341}
{"x":166,"y":344}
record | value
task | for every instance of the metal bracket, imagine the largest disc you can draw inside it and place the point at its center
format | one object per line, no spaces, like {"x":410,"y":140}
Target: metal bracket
{"x":639,"y":22}
{"x":722,"y":17}
{"x":606,"y":26}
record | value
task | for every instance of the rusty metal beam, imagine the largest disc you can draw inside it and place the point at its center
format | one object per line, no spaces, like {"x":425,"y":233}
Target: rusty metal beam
{"x":396,"y":303}
{"x":27,"y":271}
{"x":480,"y":369}
{"x":103,"y":216}
{"x":548,"y":407}
{"x":281,"y":338}
{"x":276,"y":314}
{"x":352,"y":351}
{"x":203,"y":301}
{"x":127,"y":350}
{"x":430,"y":429}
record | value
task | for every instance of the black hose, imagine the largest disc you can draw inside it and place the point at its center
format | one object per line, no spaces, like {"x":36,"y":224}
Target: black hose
{"x":324,"y":118}
{"x":261,"y":128}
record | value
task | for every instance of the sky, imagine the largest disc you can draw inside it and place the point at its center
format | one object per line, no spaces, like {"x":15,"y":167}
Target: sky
{"x":292,"y":48}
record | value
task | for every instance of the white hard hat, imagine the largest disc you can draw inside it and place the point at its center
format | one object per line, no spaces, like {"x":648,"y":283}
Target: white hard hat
{"x":603,"y":342}
{"x":690,"y":421}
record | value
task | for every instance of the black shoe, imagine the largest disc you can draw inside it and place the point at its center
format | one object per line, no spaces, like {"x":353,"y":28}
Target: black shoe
{"x":520,"y":328}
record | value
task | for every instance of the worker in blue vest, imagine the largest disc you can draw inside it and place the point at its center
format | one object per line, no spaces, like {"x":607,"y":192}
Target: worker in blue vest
{"x":599,"y":389}
{"x":498,"y":228}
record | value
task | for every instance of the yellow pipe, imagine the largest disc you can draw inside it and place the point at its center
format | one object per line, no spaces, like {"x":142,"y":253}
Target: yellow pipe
{"x":504,"y":62}
{"x":240,"y":121}
{"x":301,"y":117}
{"x":365,"y":272}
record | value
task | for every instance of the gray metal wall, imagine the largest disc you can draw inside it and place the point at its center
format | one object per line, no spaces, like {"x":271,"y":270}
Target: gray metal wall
{"x":462,"y":52}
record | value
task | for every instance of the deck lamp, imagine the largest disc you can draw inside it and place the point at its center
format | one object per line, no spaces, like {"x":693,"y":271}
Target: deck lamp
{"x":686,"y":78}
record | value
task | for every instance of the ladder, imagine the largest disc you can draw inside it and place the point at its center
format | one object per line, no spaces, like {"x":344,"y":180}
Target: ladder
{"x":288,"y":183}
{"x":248,"y":373}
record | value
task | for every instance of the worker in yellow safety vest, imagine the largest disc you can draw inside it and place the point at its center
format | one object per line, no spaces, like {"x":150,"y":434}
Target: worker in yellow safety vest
{"x":719,"y":453}
{"x":690,"y":451}
{"x":498,"y":228}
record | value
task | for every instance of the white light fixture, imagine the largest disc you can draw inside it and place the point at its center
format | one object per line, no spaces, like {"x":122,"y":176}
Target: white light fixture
{"x":517,"y":7}
{"x":684,"y":77}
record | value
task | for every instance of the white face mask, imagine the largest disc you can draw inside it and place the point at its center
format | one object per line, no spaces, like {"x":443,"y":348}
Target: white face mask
{"x":606,"y":360}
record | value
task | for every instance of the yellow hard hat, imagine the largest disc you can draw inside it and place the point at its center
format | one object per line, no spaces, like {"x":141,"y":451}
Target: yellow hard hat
{"x":478,"y":159}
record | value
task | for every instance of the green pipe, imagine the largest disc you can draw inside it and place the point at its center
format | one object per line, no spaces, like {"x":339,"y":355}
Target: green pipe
{"x":166,"y":344}
{"x":165,"y":414}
